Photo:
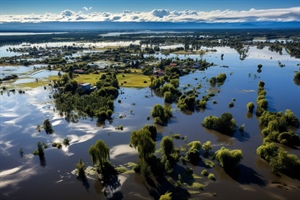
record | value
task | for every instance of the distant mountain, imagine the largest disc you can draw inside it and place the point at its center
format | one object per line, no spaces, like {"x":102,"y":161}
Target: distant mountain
{"x":89,"y":26}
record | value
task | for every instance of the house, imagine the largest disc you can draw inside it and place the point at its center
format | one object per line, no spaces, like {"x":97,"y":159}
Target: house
{"x":102,"y":67}
{"x":85,"y":86}
{"x":159,"y":72}
{"x":92,"y":65}
{"x":79,"y":71}
{"x":173,"y":64}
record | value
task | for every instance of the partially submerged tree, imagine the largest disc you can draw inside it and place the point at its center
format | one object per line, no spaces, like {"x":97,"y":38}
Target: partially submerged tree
{"x":100,"y":154}
{"x":224,"y":124}
{"x":161,"y":114}
{"x":193,"y":154}
{"x":48,"y":126}
{"x":142,"y":141}
{"x":206,"y":146}
{"x":80,"y":167}
{"x":250,"y":107}
{"x":228,"y":158}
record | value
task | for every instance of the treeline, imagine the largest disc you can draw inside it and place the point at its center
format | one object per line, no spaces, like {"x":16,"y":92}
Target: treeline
{"x":277,"y":128}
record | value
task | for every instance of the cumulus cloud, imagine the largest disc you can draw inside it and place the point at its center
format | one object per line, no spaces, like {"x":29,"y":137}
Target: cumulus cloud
{"x":160,"y":13}
{"x":67,"y":13}
{"x":164,"y":15}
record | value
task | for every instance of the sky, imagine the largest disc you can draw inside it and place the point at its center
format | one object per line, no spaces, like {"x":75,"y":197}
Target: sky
{"x":149,"y":10}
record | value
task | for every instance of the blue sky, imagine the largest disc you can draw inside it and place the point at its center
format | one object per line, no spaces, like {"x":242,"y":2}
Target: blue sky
{"x":149,"y":10}
{"x":55,"y":6}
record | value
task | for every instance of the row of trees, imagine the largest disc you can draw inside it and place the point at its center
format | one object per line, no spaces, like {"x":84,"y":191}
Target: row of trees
{"x":277,"y":127}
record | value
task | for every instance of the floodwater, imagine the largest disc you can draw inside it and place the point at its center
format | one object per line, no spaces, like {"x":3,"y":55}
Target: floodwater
{"x":5,"y":53}
{"x":21,"y":113}
{"x":29,"y":33}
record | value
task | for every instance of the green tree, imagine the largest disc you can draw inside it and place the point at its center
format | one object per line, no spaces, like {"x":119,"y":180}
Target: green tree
{"x":206,"y":146}
{"x":80,"y":167}
{"x":99,"y":153}
{"x":167,"y":145}
{"x":48,"y":126}
{"x":161,"y":114}
{"x":193,"y":154}
{"x":297,"y":78}
{"x":224,"y":124}
{"x":250,"y":107}
{"x":40,"y":149}
{"x":228,"y":158}
{"x":262,"y":103}
{"x":261,"y":84}
{"x":142,"y":141}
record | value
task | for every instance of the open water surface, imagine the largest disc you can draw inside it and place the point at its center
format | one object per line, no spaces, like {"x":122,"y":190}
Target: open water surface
{"x":23,"y":176}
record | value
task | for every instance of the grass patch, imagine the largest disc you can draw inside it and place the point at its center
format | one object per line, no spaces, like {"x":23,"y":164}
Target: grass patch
{"x":34,"y":84}
{"x":121,"y":169}
{"x":133,"y":80}
{"x":87,"y":78}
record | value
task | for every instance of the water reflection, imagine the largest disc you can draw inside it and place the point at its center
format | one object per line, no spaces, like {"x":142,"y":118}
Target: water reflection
{"x":42,"y":160}
{"x":21,"y":113}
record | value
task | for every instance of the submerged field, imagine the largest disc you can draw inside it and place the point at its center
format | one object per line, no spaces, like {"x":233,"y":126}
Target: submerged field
{"x":21,"y":113}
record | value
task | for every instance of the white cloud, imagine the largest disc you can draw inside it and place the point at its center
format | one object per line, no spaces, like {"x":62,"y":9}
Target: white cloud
{"x":159,"y":15}
{"x":86,"y":8}
{"x":67,"y":13}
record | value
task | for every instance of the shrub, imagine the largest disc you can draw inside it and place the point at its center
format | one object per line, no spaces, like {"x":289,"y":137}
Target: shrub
{"x":206,"y":146}
{"x":66,"y":141}
{"x":224,"y":124}
{"x":211,"y":176}
{"x":262,"y":103}
{"x":228,"y":158}
{"x":198,"y":186}
{"x":47,"y":125}
{"x":221,"y":78}
{"x":204,"y":172}
{"x":161,"y":114}
{"x":259,"y":66}
{"x":261,"y":84}
{"x":166,"y":196}
{"x":250,"y":107}
{"x":202,"y":104}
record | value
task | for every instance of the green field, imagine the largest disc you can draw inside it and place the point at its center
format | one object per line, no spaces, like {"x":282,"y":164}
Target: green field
{"x":134,"y":80}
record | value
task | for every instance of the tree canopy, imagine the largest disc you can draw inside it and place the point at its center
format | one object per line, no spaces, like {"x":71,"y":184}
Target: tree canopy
{"x":99,"y":153}
{"x":228,"y":158}
{"x":48,"y":126}
{"x":224,"y":124}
